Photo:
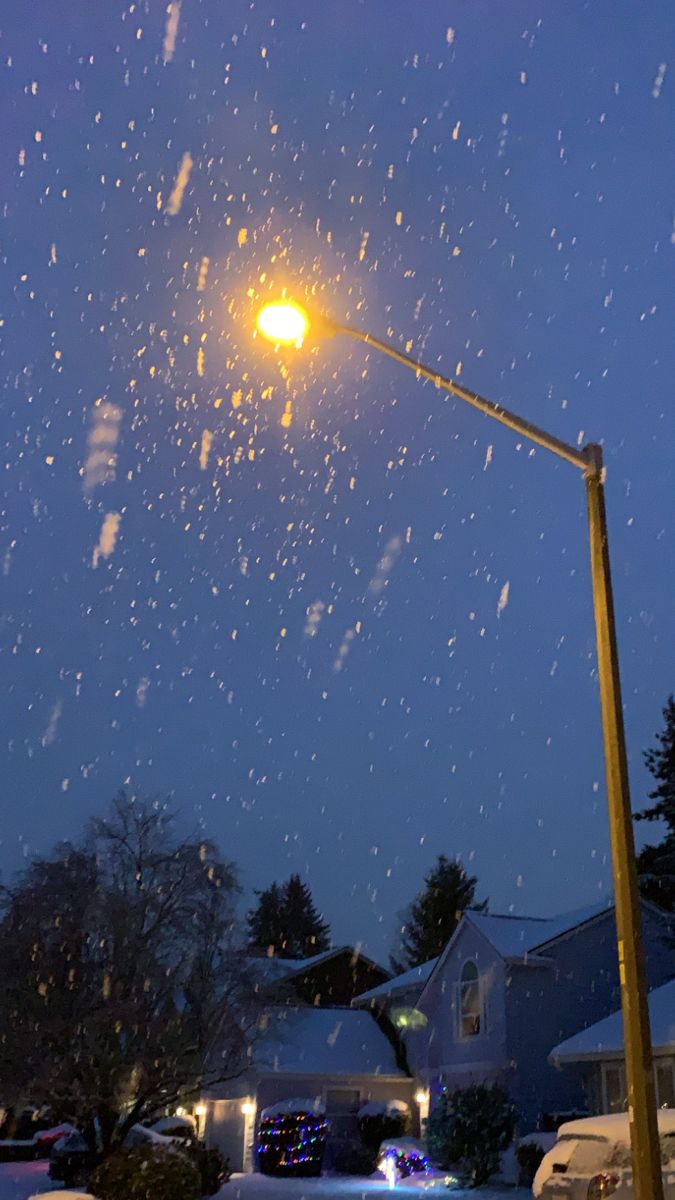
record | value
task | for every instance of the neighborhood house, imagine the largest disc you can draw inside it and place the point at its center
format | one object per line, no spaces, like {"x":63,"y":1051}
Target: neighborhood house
{"x":596,"y":1055}
{"x":490,"y":1009}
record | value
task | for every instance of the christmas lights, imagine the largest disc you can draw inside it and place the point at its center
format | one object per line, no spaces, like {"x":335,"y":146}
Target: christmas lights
{"x":292,"y":1143}
{"x":400,"y":1158}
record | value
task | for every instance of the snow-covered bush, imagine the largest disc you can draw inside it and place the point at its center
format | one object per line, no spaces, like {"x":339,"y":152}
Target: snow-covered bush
{"x":291,"y":1139}
{"x":148,"y":1172}
{"x":380,"y":1120}
{"x":471,"y":1128}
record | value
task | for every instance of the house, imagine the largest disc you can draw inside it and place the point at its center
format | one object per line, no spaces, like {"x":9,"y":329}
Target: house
{"x":338,"y":1057}
{"x":596,"y":1055}
{"x":506,"y":990}
{"x":333,"y":977}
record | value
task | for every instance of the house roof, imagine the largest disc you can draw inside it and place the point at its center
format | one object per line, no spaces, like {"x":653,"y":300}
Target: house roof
{"x":416,"y":976}
{"x":273,"y":969}
{"x":514,"y":937}
{"x":605,"y":1038}
{"x":520,"y":939}
{"x":324,"y":1041}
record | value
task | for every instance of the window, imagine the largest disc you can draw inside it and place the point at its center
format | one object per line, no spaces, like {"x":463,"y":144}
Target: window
{"x":342,"y":1106}
{"x":665,"y":1090}
{"x":469,"y":1001}
{"x":613,"y":1088}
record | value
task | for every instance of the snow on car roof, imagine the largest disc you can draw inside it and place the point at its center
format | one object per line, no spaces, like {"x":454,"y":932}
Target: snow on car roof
{"x":613,"y":1127}
{"x":606,"y":1036}
{"x":318,"y":1041}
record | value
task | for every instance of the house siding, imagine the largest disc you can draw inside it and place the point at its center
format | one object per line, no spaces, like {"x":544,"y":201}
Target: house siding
{"x":227,"y":1127}
{"x":437,"y":1053}
{"x":547,"y":1004}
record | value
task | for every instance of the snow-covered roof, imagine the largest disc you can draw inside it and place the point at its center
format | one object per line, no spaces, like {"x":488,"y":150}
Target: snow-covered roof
{"x":416,"y":976}
{"x":324,"y":1041}
{"x":514,"y":937}
{"x":605,"y":1038}
{"x":273,"y":968}
{"x":613,"y":1126}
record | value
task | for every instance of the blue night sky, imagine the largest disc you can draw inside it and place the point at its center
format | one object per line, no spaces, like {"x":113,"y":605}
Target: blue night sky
{"x":344,"y":621}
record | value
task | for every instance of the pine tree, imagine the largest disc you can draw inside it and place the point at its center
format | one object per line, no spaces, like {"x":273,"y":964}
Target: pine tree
{"x":660,"y":762}
{"x":287,"y":921}
{"x":656,"y":864}
{"x":435,"y":912}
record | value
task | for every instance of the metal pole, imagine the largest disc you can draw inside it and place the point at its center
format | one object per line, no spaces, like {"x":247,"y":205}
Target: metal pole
{"x":644,"y":1134}
{"x":647,"y":1179}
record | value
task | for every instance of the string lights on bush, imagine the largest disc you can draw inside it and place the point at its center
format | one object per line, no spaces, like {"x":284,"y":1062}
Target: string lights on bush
{"x":400,"y":1161}
{"x":292,"y":1143}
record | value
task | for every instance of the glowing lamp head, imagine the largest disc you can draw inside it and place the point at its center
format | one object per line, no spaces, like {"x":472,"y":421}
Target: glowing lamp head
{"x":200,"y":1110}
{"x":284,"y":323}
{"x":248,"y":1108}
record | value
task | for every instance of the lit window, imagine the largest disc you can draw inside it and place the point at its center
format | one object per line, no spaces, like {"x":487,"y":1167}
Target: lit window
{"x":469,"y":1004}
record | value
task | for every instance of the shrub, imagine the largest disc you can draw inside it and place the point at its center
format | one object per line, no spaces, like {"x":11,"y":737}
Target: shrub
{"x":529,"y":1156}
{"x":213,"y":1167}
{"x":148,"y":1172}
{"x":291,"y":1142}
{"x":471,"y":1128}
{"x":351,"y":1158}
{"x":376,"y":1128}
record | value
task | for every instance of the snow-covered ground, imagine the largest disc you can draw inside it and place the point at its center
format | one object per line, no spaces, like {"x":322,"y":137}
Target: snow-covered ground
{"x":18,"y":1181}
{"x":259,"y":1187}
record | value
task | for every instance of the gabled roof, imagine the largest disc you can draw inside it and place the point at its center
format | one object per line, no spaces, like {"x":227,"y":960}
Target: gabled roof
{"x":415,"y":977}
{"x":605,"y":1038}
{"x":521,"y":939}
{"x":273,"y":969}
{"x":323,"y":1041}
{"x":515,"y":937}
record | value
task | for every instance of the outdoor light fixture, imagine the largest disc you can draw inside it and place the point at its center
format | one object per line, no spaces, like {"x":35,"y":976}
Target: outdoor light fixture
{"x":283,"y":322}
{"x":248,"y":1108}
{"x":200,"y":1110}
{"x":421,"y":1097}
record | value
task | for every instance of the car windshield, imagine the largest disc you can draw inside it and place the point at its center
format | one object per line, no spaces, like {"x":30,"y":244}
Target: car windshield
{"x":589,"y":1155}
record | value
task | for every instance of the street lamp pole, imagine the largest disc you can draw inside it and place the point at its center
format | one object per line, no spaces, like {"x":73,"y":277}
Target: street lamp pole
{"x":647,"y":1180}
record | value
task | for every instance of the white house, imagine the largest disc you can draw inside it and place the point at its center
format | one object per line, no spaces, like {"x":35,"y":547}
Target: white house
{"x":337,"y":1056}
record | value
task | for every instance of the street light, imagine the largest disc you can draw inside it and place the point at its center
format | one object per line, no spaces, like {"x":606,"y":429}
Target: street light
{"x":647,"y":1180}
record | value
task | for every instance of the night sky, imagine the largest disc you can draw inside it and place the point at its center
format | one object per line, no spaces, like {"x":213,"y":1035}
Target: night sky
{"x":343,"y":620}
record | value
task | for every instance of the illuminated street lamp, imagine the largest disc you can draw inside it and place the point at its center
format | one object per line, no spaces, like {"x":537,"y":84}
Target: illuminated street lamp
{"x":283,"y":323}
{"x":646,"y":1156}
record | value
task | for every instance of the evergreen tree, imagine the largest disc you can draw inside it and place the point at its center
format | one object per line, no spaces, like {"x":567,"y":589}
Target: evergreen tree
{"x":286,"y":919}
{"x":265,"y":921}
{"x":656,"y":864}
{"x":435,"y":912}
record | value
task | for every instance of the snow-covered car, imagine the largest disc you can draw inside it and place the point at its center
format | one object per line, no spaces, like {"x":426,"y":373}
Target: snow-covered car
{"x":591,"y":1160}
{"x":72,"y":1160}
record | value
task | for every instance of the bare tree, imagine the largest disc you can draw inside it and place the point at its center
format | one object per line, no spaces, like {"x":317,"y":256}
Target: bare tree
{"x":121,"y":964}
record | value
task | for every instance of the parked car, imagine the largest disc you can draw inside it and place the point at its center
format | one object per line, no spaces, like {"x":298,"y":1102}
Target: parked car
{"x":72,"y":1160}
{"x":591,"y":1160}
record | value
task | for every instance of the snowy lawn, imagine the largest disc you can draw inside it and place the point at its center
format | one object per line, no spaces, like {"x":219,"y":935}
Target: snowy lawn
{"x":260,"y":1187}
{"x":18,"y":1181}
